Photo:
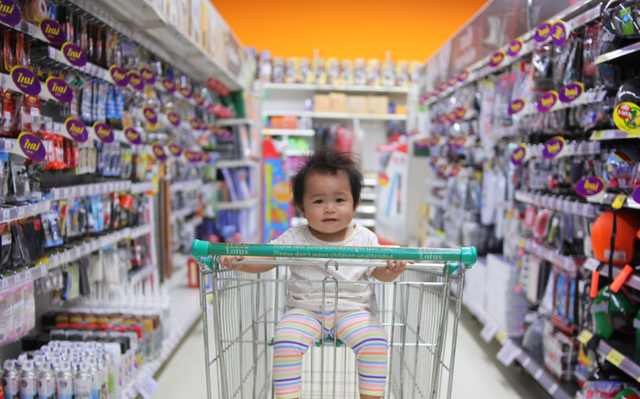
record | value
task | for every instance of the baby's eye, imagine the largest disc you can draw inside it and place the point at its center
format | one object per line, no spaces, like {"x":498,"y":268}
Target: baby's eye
{"x":340,"y":200}
{"x":317,"y":202}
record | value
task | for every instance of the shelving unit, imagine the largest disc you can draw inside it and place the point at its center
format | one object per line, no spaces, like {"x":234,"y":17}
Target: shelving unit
{"x":235,"y":122}
{"x":236,"y":163}
{"x":228,"y":206}
{"x":337,"y":115}
{"x":288,"y":132}
{"x":352,"y":88}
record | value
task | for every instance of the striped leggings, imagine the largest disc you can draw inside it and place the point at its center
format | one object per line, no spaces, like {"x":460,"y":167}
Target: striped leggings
{"x":299,"y":329}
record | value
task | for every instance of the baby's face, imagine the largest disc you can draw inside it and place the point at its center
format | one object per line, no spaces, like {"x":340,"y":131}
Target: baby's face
{"x":328,"y":205}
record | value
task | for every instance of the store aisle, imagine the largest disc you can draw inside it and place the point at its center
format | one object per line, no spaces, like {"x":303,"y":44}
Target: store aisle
{"x":477,"y":374}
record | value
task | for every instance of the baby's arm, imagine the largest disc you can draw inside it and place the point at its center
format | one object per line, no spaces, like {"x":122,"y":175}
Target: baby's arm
{"x":392,"y":271}
{"x":252,"y":268}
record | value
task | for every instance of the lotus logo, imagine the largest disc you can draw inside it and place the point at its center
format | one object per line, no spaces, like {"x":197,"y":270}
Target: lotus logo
{"x":51,"y":30}
{"x":147,"y":74}
{"x":518,"y":154}
{"x":149,"y":114}
{"x":547,"y":102}
{"x":591,"y":187}
{"x":58,"y":89}
{"x":544,"y":32}
{"x":516,"y":106}
{"x":118,"y":75}
{"x":102,"y":132}
{"x":76,"y":129}
{"x":497,"y":58}
{"x":135,"y":80}
{"x":6,"y":8}
{"x":553,"y":148}
{"x":559,"y":33}
{"x":158,"y":151}
{"x":571,"y":93}
{"x":74,"y":54}
{"x":514,"y":48}
{"x":173,"y":117}
{"x":132,"y":134}
{"x":25,"y":80}
{"x":31,"y":145}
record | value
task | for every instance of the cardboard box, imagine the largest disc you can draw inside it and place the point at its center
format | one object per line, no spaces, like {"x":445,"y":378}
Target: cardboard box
{"x":321,"y":103}
{"x":401,"y":109}
{"x":357,"y":104}
{"x":378,"y":104}
{"x":337,"y":102}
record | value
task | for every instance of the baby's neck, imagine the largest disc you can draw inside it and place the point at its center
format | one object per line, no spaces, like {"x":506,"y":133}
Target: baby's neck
{"x":332,"y":237}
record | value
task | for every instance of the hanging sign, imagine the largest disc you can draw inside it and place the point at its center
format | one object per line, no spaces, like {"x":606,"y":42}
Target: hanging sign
{"x":25,"y":81}
{"x":132,"y":135}
{"x":454,"y":170}
{"x":150,"y":114}
{"x":553,"y":147}
{"x":194,"y":123}
{"x":636,"y":194}
{"x":460,"y":112}
{"x":198,"y":98}
{"x":174,"y":149}
{"x":452,"y":81}
{"x":158,"y":151}
{"x":514,"y":48}
{"x":543,"y":31}
{"x":119,"y":76}
{"x":186,"y":92}
{"x":174,"y":118}
{"x":103,"y":132}
{"x":559,"y":33}
{"x":192,"y":156}
{"x":51,"y":31}
{"x":76,"y":129}
{"x":627,"y":117}
{"x":58,"y":89}
{"x":571,"y":92}
{"x":462,"y":76}
{"x":168,"y":85}
{"x":148,"y":76}
{"x":31,"y":147}
{"x":74,"y":54}
{"x":496,"y":58}
{"x":516,"y":106}
{"x":9,"y":13}
{"x":518,"y":156}
{"x":206,"y":158}
{"x":590,"y":186}
{"x":135,"y":81}
{"x":547,"y":101}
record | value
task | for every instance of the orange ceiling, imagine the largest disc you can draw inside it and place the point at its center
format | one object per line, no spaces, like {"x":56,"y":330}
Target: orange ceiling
{"x":409,"y":29}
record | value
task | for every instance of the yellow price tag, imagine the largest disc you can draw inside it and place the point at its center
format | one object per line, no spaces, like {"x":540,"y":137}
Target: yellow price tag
{"x":596,"y":136}
{"x":615,"y":357}
{"x":585,"y":336}
{"x":500,"y":336}
{"x":619,"y":201}
{"x":522,"y":243}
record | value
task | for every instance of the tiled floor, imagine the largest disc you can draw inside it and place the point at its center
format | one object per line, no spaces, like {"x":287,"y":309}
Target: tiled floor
{"x":477,"y":372}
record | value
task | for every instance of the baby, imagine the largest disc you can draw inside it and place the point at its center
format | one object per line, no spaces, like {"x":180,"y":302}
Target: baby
{"x":326,"y":190}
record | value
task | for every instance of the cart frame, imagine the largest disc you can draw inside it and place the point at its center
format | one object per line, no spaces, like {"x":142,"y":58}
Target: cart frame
{"x":241,"y":338}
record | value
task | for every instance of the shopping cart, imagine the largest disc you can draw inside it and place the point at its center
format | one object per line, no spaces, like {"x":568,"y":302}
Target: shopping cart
{"x":240,"y":311}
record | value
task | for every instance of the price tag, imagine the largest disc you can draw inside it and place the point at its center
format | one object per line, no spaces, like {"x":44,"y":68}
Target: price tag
{"x":615,"y":357}
{"x":6,"y":214}
{"x":5,"y":284}
{"x":553,"y":388}
{"x":619,"y":201}
{"x":147,"y":387}
{"x":17,"y":279}
{"x":508,"y":353}
{"x":500,"y":337}
{"x":21,"y":212}
{"x":488,"y":332}
{"x":43,"y":270}
{"x":27,"y":276}
{"x":538,"y":374}
{"x":526,"y":362}
{"x":591,"y":264}
{"x":56,"y":260}
{"x":73,"y":191}
{"x":82,"y":190}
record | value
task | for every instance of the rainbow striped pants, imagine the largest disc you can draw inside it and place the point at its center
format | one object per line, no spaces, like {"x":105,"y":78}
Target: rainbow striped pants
{"x":360,"y":331}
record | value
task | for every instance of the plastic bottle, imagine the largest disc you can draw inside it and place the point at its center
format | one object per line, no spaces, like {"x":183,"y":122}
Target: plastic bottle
{"x":46,"y":381}
{"x":82,"y":382}
{"x":11,"y":379}
{"x":28,"y":381}
{"x":95,"y":377}
{"x":64,"y":380}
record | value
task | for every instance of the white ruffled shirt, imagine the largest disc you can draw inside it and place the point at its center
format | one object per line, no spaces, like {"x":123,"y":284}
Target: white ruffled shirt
{"x":352,"y":296}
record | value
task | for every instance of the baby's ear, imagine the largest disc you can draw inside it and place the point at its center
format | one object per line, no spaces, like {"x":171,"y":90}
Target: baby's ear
{"x":301,"y":209}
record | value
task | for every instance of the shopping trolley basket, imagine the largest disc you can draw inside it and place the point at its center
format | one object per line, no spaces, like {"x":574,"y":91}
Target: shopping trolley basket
{"x":241,"y":310}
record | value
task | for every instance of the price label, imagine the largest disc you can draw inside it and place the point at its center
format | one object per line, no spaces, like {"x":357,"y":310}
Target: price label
{"x":488,"y":332}
{"x":526,"y":362}
{"x":619,"y":201}
{"x":17,"y":279}
{"x":73,"y":191}
{"x":21,"y":212}
{"x":553,"y":388}
{"x":56,"y":260}
{"x":43,"y":270}
{"x":591,"y":264}
{"x":82,"y":190}
{"x":508,"y":353}
{"x":6,"y":214}
{"x":5,"y":284}
{"x":27,"y":276}
{"x":538,"y":374}
{"x":615,"y":357}
{"x":147,"y":387}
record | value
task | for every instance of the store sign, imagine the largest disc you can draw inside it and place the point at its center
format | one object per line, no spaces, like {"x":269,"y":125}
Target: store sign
{"x":104,"y":132}
{"x":627,"y":117}
{"x":186,"y":92}
{"x":547,"y":101}
{"x":74,"y":54}
{"x":518,"y":155}
{"x":516,"y":106}
{"x":174,"y":118}
{"x":119,"y":76}
{"x":553,"y":147}
{"x":460,"y":112}
{"x":571,"y":92}
{"x":452,"y":81}
{"x":442,"y":169}
{"x":51,"y":30}
{"x":135,"y":81}
{"x":559,"y":33}
{"x":194,"y":123}
{"x":9,"y":13}
{"x":206,"y":158}
{"x":192,"y":156}
{"x":636,"y":194}
{"x":25,"y":80}
{"x":150,"y":114}
{"x":514,"y":48}
{"x":460,"y":140}
{"x":32,"y":147}
{"x":198,"y":98}
{"x":158,"y":151}
{"x":590,"y":186}
{"x":59,"y":89}
{"x":463,"y":75}
{"x":454,"y":170}
{"x":168,"y":85}
{"x":543,"y":31}
{"x":174,"y":149}
{"x":148,"y":76}
{"x":132,"y":135}
{"x":496,"y":58}
{"x":434,"y":141}
{"x":76,"y":129}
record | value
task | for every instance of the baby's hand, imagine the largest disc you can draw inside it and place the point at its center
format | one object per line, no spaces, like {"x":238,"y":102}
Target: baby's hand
{"x":397,"y":267}
{"x":225,"y":261}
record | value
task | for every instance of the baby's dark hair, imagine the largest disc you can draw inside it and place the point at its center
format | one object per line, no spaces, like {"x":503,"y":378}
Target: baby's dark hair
{"x":327,"y":161}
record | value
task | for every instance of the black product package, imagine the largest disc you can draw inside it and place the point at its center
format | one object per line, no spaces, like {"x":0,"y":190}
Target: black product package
{"x":20,"y":257}
{"x":33,"y":233}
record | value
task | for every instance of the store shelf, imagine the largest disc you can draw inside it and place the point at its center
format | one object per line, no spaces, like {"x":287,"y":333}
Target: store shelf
{"x":288,"y":132}
{"x":228,"y":206}
{"x":616,"y":352}
{"x":368,"y":196}
{"x":25,"y":211}
{"x":185,"y":312}
{"x":503,"y":132}
{"x":296,"y":221}
{"x":192,"y":223}
{"x":297,"y":153}
{"x":552,"y":202}
{"x":235,"y":122}
{"x":139,"y":188}
{"x":240,"y":163}
{"x":89,"y":68}
{"x":436,"y":183}
{"x":567,"y":263}
{"x":181,"y":213}
{"x":369,"y":209}
{"x":608,"y":199}
{"x":187,"y":185}
{"x":592,"y":264}
{"x":623,"y":52}
{"x":33,"y":274}
{"x":442,"y":203}
{"x":370,"y":182}
{"x":142,"y":275}
{"x":60,"y":193}
{"x":350,"y":88}
{"x":612,"y":134}
{"x":140,"y":231}
{"x":337,"y":115}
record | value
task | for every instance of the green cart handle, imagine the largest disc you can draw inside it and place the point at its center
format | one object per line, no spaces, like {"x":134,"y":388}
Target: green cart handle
{"x":467,"y":255}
